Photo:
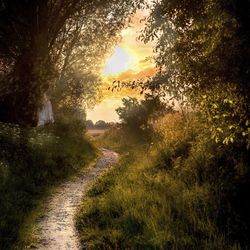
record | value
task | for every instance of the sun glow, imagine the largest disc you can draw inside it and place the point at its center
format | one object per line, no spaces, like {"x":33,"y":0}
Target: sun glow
{"x":131,"y":60}
{"x":121,"y":61}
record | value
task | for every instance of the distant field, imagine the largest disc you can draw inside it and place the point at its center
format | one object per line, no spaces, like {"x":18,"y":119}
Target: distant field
{"x":96,"y":132}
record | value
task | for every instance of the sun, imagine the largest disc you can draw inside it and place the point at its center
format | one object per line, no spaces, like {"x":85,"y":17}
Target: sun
{"x":121,"y":60}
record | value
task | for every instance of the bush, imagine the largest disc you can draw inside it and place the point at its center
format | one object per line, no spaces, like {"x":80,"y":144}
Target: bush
{"x":196,"y":159}
{"x":30,"y":161}
{"x":139,"y":116}
{"x":183,"y":191}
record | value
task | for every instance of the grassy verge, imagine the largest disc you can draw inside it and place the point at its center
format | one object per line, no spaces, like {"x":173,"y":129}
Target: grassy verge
{"x":166,"y":194}
{"x":32,"y":161}
{"x":136,"y":206}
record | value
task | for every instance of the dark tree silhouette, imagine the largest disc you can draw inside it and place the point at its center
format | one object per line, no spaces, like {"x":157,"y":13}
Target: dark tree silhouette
{"x":37,"y":39}
{"x":89,"y":124}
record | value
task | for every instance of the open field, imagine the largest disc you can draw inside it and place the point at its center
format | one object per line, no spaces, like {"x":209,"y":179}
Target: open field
{"x":96,"y":132}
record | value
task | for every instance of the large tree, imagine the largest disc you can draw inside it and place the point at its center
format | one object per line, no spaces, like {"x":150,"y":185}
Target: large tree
{"x":38,"y":42}
{"x":203,"y":55}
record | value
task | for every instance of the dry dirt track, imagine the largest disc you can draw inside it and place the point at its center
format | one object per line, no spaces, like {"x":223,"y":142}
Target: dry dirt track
{"x":56,"y":228}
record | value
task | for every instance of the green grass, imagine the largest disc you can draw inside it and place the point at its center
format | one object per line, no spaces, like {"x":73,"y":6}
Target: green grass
{"x":31,"y":162}
{"x":166,"y":195}
{"x":136,"y":207}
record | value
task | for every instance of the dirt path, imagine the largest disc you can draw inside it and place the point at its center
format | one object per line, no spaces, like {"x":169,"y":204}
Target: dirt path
{"x":56,"y":228}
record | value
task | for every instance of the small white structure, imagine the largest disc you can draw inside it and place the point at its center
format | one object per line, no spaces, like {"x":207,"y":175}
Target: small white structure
{"x":45,"y":115}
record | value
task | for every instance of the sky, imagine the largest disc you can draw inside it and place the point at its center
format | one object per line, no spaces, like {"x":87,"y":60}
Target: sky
{"x":130,"y":60}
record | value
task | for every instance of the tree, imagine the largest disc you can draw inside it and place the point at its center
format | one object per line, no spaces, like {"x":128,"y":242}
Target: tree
{"x":38,"y":41}
{"x":101,"y":124}
{"x":203,"y":56}
{"x":129,"y":114}
{"x":141,"y":115}
{"x":89,"y":124}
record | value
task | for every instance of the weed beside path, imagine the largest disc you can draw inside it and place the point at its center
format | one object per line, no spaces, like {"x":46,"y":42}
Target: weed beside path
{"x":55,"y":227}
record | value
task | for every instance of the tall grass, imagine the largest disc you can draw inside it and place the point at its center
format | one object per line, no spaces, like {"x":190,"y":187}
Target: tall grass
{"x":31,"y":160}
{"x":172,"y":193}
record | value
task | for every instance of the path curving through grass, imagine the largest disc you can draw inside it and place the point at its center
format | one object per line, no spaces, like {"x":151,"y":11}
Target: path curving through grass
{"x":56,"y":227}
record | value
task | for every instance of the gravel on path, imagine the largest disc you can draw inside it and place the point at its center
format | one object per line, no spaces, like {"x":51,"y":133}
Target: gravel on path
{"x":56,"y":227}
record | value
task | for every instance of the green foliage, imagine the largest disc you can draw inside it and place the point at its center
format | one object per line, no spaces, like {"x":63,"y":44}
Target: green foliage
{"x":31,"y":160}
{"x":145,"y":209}
{"x":188,"y":189}
{"x":132,"y":114}
{"x":101,"y":124}
{"x":203,"y":56}
{"x":69,"y":122}
{"x":139,"y":116}
{"x":47,"y":44}
{"x":179,"y":192}
{"x":119,"y":138}
{"x":201,"y":43}
{"x":226,"y":114}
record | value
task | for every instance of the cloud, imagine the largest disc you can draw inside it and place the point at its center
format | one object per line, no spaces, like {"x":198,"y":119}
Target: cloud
{"x":105,"y":110}
{"x":131,"y":75}
{"x":143,"y":69}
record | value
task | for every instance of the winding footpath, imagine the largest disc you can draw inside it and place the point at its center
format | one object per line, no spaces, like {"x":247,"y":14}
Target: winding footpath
{"x":56,"y":228}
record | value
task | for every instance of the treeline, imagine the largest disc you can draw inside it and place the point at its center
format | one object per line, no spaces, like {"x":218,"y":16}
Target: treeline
{"x":99,"y":124}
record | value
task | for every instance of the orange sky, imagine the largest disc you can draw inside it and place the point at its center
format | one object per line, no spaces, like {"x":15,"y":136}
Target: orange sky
{"x":130,"y":61}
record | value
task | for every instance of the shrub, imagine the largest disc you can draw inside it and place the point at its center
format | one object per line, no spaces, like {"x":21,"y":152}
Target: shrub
{"x":184,"y":191}
{"x":30,"y":161}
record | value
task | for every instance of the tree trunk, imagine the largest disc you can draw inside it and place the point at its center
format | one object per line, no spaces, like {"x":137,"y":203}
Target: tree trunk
{"x":32,"y":70}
